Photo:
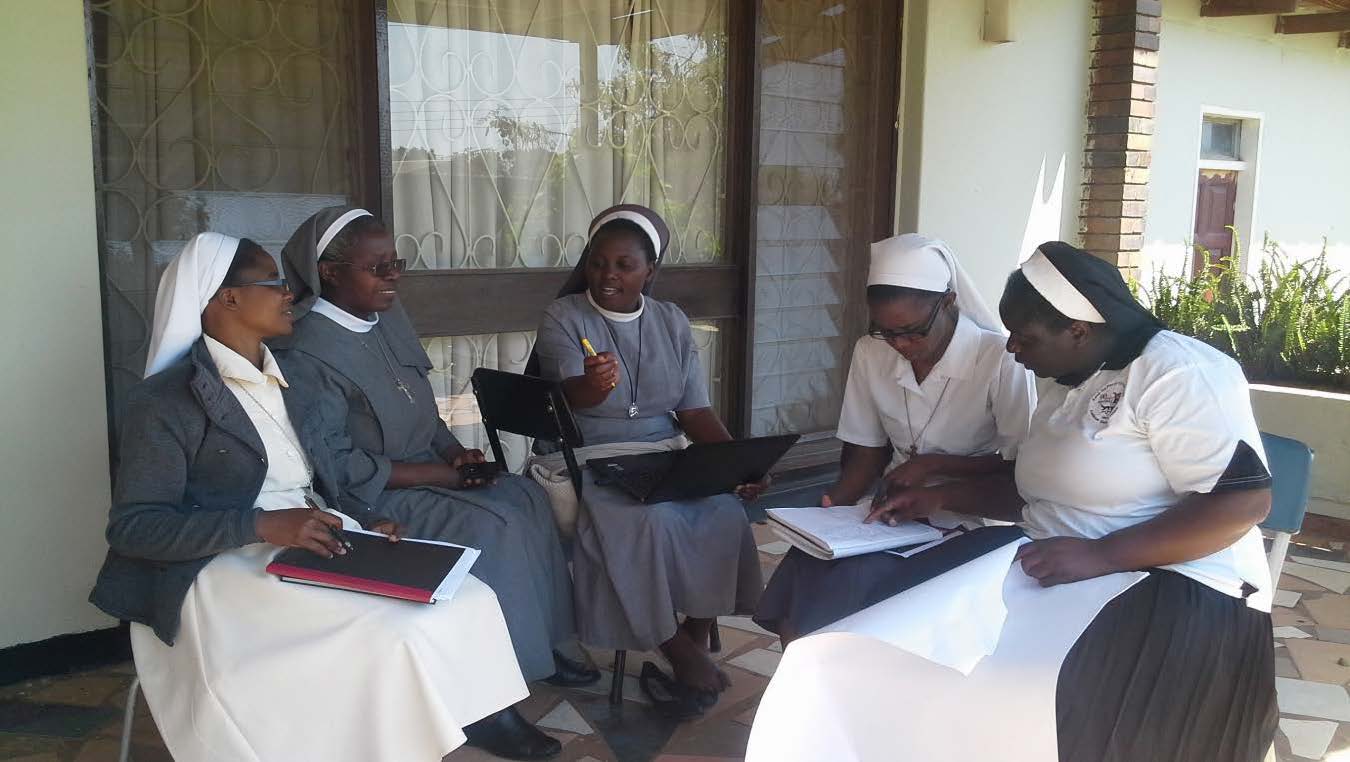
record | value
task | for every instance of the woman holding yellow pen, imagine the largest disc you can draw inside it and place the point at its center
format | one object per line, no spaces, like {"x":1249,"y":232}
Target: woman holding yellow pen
{"x":630,"y":370}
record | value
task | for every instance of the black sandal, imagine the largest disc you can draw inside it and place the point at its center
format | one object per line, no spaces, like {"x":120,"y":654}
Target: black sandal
{"x":672,"y":700}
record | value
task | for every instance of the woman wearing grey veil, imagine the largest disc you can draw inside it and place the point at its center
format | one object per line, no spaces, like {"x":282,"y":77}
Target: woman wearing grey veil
{"x":398,"y":455}
{"x":638,"y":565}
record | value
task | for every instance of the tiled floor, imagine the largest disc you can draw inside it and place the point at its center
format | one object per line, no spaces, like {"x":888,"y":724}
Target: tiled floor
{"x":78,"y":718}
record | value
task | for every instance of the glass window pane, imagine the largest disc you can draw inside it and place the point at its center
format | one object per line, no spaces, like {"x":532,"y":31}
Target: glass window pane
{"x":813,"y":188}
{"x":235,"y":116}
{"x":1221,"y":139}
{"x":515,"y":121}
{"x":456,"y":357}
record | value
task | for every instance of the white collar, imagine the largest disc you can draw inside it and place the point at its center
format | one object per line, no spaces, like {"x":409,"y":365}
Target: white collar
{"x":342,"y":317}
{"x":619,"y":317}
{"x":233,"y":365}
{"x":956,"y":360}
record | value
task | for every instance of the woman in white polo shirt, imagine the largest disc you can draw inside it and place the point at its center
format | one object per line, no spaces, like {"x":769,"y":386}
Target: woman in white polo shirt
{"x":1143,"y":456}
{"x":932,"y":399}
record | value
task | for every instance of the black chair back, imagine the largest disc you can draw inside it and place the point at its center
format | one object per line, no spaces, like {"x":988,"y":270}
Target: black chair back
{"x":529,"y":406}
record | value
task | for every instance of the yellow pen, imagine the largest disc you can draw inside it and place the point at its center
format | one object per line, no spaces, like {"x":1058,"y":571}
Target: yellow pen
{"x":590,"y":352}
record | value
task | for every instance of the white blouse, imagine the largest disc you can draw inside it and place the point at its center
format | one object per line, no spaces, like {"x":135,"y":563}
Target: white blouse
{"x":1128,"y":444}
{"x":259,"y":392}
{"x":977,"y":400}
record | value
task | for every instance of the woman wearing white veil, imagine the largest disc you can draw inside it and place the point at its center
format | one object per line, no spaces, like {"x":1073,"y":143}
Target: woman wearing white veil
{"x":932,"y":398}
{"x":218,"y":461}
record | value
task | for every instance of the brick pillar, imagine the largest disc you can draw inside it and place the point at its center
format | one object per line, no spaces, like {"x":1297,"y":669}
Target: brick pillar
{"x":1124,"y":75}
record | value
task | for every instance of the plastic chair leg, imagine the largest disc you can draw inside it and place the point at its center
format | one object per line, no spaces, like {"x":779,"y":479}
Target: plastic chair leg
{"x":128,"y":714}
{"x":1279,"y":547}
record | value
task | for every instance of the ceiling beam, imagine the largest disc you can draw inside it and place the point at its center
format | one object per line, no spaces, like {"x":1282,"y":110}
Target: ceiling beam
{"x":1246,"y":7}
{"x":1313,"y":23}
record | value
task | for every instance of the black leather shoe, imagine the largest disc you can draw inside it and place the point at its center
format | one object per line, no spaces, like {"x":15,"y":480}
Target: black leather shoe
{"x":507,"y":734}
{"x":571,"y":674}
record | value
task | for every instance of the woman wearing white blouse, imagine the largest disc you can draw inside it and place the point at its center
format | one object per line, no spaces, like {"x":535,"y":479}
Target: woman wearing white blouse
{"x":1143,"y":456}
{"x":932,"y":399}
{"x":1140,"y":484}
{"x":219,"y":461}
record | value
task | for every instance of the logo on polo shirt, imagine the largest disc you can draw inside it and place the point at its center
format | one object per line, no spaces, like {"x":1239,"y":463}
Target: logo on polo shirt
{"x":1104,"y":403}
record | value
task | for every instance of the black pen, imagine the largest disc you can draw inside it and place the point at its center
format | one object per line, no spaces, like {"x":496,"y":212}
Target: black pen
{"x":336,"y":533}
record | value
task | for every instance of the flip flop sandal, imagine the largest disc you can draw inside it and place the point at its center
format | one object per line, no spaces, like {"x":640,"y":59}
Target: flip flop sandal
{"x":671,"y":700}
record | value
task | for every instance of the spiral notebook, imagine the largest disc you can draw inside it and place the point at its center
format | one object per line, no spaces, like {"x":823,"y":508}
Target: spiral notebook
{"x":425,"y":571}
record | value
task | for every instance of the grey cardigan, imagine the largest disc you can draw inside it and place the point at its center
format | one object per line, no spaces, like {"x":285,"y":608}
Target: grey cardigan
{"x":190,"y":470}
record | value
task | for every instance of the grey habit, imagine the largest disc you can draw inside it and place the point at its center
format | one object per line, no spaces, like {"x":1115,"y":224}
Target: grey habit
{"x":373,"y":423}
{"x":636,"y":565}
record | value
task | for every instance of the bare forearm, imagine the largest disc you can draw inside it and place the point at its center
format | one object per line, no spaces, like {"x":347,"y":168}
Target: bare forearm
{"x":1195,"y":528}
{"x":436,"y":474}
{"x":992,"y":496}
{"x":859,"y":469}
{"x":703,"y":425}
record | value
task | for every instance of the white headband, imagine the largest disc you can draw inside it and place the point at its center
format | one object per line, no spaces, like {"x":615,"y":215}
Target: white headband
{"x":634,"y":217}
{"x":337,"y":226}
{"x":1042,"y":274}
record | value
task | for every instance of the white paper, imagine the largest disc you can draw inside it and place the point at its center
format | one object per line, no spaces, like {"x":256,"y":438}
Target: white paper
{"x":846,"y":697}
{"x":953,"y":619}
{"x":455,"y":577}
{"x":839,"y":532}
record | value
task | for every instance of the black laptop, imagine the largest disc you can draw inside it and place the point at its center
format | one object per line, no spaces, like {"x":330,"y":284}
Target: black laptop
{"x":699,"y":470}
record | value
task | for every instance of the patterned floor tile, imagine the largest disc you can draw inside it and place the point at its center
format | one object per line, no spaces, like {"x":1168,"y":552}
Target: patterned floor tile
{"x":1335,"y":581}
{"x":1308,"y":738}
{"x":760,"y":661}
{"x":1330,"y":611}
{"x":1287,"y":598}
{"x":1310,"y":699}
{"x":1323,"y":662}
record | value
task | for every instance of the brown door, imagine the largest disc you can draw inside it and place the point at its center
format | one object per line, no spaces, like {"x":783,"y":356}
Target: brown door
{"x":1214,"y":205}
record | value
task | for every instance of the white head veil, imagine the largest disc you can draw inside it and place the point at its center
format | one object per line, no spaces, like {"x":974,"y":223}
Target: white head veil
{"x":188,"y":284}
{"x":927,"y":264}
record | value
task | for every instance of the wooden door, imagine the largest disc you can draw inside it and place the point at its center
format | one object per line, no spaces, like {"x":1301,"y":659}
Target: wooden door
{"x":1214,"y":207}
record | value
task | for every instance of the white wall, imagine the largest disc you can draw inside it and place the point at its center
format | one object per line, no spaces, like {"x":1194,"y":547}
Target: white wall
{"x":53,"y":420}
{"x":1000,"y":154}
{"x":1300,"y":84}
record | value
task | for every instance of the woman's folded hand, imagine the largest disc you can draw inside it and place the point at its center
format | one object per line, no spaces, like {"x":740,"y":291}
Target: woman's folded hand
{"x":1057,"y":560}
{"x":300,"y":528}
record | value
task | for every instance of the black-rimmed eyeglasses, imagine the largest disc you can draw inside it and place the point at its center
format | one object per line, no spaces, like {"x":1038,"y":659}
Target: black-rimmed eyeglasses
{"x":886,"y":334}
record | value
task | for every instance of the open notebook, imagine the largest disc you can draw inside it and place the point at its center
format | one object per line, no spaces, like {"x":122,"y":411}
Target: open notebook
{"x":830,"y":533}
{"x":425,"y":571}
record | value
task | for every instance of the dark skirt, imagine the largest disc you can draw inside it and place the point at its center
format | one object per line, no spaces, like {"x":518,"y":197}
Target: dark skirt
{"x":806,"y":593}
{"x":1170,"y":671}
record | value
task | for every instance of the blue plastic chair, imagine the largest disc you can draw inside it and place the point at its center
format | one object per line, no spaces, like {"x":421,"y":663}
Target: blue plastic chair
{"x":1291,"y":480}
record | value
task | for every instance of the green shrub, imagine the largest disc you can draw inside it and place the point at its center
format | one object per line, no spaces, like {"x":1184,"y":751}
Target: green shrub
{"x":1289,"y":323}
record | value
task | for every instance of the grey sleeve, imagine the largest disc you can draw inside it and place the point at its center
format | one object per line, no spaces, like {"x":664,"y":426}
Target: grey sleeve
{"x":148,"y":519}
{"x":361,"y":474}
{"x":695,"y":394}
{"x":560,"y":353}
{"x":443,"y":439}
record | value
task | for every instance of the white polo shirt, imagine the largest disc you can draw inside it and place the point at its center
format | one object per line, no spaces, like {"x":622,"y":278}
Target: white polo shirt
{"x":1128,"y":444}
{"x":985,"y":408}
